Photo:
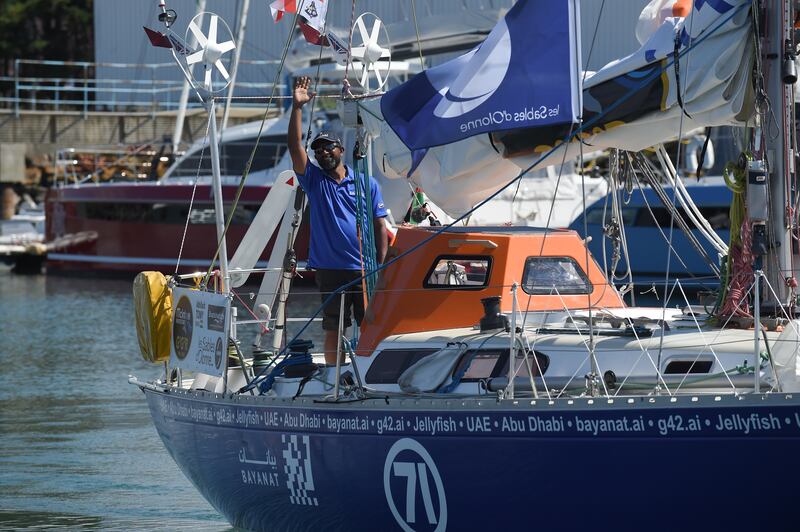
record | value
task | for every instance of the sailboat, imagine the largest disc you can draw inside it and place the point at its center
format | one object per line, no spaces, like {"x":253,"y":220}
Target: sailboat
{"x":499,"y":379}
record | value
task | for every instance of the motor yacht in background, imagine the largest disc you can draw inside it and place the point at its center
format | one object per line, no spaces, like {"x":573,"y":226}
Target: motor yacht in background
{"x":142,"y":224}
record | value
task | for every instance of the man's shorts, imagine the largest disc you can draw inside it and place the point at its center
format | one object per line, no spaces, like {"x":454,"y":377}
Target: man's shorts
{"x":328,"y":281}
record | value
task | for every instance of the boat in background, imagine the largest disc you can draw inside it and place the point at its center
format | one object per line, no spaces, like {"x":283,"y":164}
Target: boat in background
{"x":150,"y":225}
{"x":22,"y":239}
{"x":650,"y":235}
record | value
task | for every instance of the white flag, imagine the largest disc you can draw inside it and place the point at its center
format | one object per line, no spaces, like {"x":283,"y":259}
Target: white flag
{"x":314,"y":12}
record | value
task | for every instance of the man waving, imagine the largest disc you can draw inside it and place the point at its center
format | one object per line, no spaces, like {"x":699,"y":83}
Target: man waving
{"x":335,"y":250}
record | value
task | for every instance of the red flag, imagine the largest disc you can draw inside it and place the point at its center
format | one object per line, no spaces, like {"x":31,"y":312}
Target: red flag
{"x":312,"y":35}
{"x":279,"y":7}
{"x":157,"y":38}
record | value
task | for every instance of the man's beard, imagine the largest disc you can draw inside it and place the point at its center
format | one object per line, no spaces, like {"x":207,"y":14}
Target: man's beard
{"x":328,"y":163}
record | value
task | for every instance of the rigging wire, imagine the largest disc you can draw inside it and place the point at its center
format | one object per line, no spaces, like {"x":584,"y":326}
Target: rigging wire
{"x":191,"y":200}
{"x":595,"y":368}
{"x":688,"y":204}
{"x":653,"y":216}
{"x":678,"y":146}
{"x":585,"y":127}
{"x":416,"y":29}
{"x":675,"y":216}
{"x":570,"y":136}
{"x":618,"y":219}
{"x":561,"y":168}
{"x":350,"y":39}
{"x":249,"y":164}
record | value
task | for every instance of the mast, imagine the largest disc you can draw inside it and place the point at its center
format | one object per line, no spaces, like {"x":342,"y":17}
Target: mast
{"x":184,"y":101}
{"x":216,"y":181}
{"x":780,"y":89}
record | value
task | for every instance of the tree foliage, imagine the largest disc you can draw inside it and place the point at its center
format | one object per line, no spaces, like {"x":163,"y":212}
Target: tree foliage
{"x":45,"y":29}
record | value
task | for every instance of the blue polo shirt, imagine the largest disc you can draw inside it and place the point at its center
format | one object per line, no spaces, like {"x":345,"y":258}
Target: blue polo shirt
{"x":332,"y":205}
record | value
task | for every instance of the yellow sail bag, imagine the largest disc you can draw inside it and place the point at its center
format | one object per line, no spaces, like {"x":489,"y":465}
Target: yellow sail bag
{"x":152,"y":303}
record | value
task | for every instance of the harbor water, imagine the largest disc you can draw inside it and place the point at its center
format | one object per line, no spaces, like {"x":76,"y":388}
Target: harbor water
{"x":78,"y":449}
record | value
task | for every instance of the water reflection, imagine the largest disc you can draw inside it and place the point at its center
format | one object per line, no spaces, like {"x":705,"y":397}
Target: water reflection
{"x":78,"y":448}
{"x":36,"y":520}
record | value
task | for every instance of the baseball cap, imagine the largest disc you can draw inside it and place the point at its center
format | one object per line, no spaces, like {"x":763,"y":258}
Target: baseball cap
{"x":325,"y":137}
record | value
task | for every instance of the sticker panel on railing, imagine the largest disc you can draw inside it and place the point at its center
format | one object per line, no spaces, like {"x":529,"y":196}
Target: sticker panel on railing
{"x":200,"y":322}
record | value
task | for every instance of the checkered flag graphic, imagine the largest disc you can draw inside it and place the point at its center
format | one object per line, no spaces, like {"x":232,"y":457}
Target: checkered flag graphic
{"x":297,"y":466}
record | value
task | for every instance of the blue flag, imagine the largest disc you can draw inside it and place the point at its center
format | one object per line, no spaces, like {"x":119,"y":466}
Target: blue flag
{"x":525,"y":74}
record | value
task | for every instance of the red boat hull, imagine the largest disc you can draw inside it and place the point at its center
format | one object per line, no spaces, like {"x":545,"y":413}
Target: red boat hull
{"x":127,"y":228}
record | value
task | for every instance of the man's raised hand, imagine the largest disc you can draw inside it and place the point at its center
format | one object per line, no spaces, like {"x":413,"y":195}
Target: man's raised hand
{"x":301,"y":94}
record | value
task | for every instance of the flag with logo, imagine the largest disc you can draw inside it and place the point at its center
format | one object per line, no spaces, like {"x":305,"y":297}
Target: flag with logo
{"x":525,"y":74}
{"x":312,"y":12}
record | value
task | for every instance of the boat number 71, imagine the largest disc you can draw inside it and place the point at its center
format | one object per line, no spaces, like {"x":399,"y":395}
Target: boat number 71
{"x":415,"y":472}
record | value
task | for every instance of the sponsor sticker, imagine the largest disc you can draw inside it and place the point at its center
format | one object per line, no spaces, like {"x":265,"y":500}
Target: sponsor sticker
{"x":410,"y":475}
{"x":199,"y":331}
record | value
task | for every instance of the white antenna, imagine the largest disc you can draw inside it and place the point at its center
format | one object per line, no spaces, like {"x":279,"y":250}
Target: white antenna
{"x":373,"y":57}
{"x":211,"y":51}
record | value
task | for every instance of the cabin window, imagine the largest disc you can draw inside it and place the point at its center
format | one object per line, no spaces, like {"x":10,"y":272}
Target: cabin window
{"x":718,"y":217}
{"x":683,"y":367}
{"x":600,"y":216}
{"x":161,"y":213}
{"x":459,"y":272}
{"x":490,"y":363}
{"x":194,"y":164}
{"x":233,"y":157}
{"x":389,"y":364}
{"x":236,"y":154}
{"x":554,"y":275}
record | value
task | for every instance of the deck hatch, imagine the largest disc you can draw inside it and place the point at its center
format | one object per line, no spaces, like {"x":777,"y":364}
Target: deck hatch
{"x":682,"y":367}
{"x":491,"y":363}
{"x":390,"y":363}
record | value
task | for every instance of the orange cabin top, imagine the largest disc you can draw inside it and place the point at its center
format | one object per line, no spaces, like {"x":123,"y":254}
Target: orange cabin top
{"x":439,"y":285}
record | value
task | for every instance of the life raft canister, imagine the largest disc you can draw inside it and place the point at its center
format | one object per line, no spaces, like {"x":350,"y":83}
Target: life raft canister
{"x":152,"y":303}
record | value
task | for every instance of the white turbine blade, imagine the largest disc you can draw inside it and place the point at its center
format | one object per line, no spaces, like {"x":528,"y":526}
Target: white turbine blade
{"x":358,"y":52}
{"x":222,"y":69}
{"x":194,"y":58}
{"x":385,"y":52}
{"x":362,"y":30}
{"x":212,"y":30}
{"x":376,"y":28}
{"x":378,"y":76}
{"x":226,"y":47}
{"x":365,"y":77}
{"x":208,"y":77}
{"x":201,"y":39}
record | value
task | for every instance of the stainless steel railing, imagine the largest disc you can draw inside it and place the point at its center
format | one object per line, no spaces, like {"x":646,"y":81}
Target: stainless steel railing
{"x":84,"y":87}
